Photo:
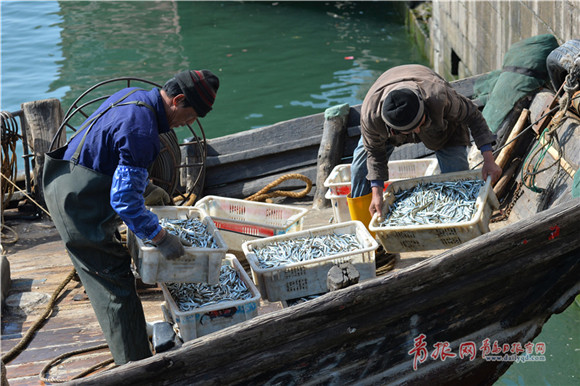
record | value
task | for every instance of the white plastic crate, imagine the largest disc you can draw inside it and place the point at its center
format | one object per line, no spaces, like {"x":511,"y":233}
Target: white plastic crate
{"x":339,"y":206}
{"x":339,"y":180}
{"x":240,"y":220}
{"x":197,"y":265}
{"x":307,"y":278}
{"x":435,"y":236}
{"x":207,"y":319}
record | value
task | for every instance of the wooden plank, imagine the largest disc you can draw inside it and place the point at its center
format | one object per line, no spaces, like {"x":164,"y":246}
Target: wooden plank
{"x":354,"y":115}
{"x":554,"y":153}
{"x":48,"y":347}
{"x":281,"y":132}
{"x":260,"y":167}
{"x":245,"y":188}
{"x":506,"y":153}
{"x":356,"y":334}
{"x":284,"y":163}
{"x":71,"y":367}
{"x":506,"y":179}
{"x":261,"y":151}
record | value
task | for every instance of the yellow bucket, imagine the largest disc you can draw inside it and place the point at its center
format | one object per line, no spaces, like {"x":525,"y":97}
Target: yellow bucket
{"x":358,"y":208}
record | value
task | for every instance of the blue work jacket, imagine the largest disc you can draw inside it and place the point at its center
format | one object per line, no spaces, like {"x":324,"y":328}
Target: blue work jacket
{"x":122,"y":144}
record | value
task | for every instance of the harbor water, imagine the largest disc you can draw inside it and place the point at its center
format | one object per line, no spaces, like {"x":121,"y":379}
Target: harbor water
{"x":276,"y":61}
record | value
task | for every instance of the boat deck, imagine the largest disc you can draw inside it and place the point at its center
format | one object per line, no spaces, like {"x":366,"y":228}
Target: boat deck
{"x":39,"y":265}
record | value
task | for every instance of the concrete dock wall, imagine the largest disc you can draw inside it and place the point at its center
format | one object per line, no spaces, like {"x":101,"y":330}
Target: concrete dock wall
{"x":467,"y":37}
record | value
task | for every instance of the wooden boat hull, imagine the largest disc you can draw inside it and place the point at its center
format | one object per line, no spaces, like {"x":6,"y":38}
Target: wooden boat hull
{"x":502,"y":287}
{"x":364,"y":334}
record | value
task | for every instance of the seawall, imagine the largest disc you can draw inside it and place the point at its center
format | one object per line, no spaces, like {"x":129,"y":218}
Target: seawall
{"x":463,"y":38}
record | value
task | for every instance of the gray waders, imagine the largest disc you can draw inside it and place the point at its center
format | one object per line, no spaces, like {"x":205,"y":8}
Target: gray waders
{"x":78,"y":201}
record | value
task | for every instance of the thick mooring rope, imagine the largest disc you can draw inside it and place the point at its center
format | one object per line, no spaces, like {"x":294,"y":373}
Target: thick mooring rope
{"x":262,"y":195}
{"x":20,"y":346}
{"x":60,"y":358}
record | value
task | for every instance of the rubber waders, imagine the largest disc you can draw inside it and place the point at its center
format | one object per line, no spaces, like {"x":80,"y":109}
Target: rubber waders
{"x":358,"y":208}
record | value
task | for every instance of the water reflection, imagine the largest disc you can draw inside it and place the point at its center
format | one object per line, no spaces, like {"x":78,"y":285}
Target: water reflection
{"x":349,"y":86}
{"x":103,"y":40}
{"x":276,"y":61}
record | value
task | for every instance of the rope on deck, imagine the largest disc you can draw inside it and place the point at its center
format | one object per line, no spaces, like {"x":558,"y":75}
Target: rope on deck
{"x":58,"y":359}
{"x":262,"y":195}
{"x":27,"y":338}
{"x":20,"y":346}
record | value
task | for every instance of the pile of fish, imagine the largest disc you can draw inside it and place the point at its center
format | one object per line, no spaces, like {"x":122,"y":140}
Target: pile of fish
{"x":189,"y":296}
{"x":191,"y":230}
{"x":434,"y":203}
{"x":305,"y":248}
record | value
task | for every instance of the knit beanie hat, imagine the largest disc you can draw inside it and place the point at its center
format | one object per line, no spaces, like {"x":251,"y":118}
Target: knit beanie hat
{"x":402,"y":109}
{"x":199,"y":88}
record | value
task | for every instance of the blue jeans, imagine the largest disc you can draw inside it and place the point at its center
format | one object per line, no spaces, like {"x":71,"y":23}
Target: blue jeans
{"x":451,"y":159}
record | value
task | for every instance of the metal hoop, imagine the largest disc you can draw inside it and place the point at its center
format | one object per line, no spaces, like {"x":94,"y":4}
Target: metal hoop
{"x":169,"y":159}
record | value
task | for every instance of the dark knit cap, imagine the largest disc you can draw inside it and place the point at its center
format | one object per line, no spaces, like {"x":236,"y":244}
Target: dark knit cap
{"x":199,"y":88}
{"x":402,"y":109}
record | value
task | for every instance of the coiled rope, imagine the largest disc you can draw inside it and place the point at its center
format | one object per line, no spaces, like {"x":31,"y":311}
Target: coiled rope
{"x":162,"y":172}
{"x":10,"y":138}
{"x":549,"y":137}
{"x":262,"y":195}
{"x":531,"y":166}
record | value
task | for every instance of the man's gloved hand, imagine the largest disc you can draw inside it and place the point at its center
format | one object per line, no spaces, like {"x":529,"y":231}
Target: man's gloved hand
{"x":171,"y":246}
{"x":154,"y":195}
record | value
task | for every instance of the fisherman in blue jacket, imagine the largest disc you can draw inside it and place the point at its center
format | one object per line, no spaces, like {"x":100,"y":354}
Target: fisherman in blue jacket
{"x":99,"y":177}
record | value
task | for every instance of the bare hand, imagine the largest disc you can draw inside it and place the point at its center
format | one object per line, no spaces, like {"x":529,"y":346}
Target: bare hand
{"x":377,"y":201}
{"x":490,"y":168}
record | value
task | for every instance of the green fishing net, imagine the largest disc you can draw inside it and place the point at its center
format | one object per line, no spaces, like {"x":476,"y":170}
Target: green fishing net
{"x":524,"y":71}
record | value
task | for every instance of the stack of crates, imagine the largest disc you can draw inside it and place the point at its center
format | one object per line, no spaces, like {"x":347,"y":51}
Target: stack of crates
{"x":339,"y":181}
{"x":309,"y":277}
{"x":420,"y":237}
{"x":198,"y":265}
{"x":240,"y":220}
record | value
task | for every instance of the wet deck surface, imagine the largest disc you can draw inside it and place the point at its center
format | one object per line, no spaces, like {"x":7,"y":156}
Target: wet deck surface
{"x":39,"y":264}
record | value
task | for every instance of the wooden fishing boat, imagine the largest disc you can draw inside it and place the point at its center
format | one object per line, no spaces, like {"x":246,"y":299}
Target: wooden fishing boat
{"x":502,"y":286}
{"x":499,"y":288}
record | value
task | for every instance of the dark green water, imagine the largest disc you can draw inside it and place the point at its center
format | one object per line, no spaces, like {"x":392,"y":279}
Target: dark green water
{"x":276,"y":61}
